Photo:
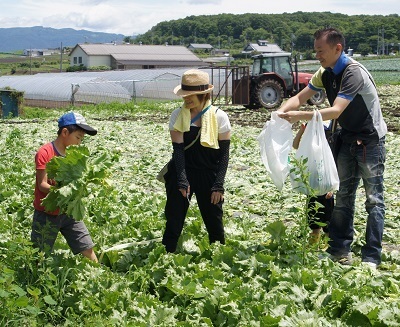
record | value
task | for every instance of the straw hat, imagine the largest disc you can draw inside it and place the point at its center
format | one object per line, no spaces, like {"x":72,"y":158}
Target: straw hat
{"x":194,"y":81}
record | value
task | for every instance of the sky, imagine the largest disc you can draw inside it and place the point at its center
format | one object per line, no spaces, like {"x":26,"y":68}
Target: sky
{"x":131,"y":17}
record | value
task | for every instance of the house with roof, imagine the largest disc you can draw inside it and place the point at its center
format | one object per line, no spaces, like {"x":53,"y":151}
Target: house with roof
{"x":133,"y":56}
{"x":262,"y":46}
{"x":200,"y":47}
{"x":39,"y":52}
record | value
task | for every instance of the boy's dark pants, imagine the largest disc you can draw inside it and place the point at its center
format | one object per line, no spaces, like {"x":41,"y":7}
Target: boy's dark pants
{"x":323,"y":214}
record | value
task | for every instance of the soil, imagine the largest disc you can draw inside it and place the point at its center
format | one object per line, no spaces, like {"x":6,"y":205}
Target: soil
{"x":389,"y":97}
{"x":390,"y":103}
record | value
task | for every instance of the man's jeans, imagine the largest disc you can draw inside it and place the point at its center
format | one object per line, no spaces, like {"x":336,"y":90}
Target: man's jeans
{"x":356,"y":161}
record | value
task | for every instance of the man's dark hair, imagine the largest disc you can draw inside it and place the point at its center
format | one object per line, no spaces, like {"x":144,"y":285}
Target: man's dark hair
{"x":333,"y":36}
{"x":70,"y":129}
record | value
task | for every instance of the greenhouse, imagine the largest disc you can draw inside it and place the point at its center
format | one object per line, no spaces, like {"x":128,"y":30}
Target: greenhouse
{"x":58,"y":90}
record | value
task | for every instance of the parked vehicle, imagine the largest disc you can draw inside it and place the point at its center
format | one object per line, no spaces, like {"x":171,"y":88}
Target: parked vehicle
{"x":272,"y":79}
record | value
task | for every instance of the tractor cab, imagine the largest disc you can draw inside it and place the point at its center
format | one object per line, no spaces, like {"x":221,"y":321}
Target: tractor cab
{"x":274,"y":64}
{"x":272,"y":79}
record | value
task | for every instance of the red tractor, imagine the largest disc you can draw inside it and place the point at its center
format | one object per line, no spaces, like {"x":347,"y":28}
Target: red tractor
{"x":271,"y":80}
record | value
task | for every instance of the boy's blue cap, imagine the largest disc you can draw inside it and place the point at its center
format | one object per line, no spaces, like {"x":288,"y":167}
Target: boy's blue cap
{"x":73,"y":118}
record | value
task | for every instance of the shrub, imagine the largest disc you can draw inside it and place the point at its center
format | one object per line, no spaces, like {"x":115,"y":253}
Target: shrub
{"x":79,"y":68}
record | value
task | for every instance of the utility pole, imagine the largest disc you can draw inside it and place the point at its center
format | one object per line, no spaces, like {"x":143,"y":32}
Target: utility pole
{"x":30,"y":60}
{"x":377,"y":44}
{"x":61,"y":59}
{"x":380,"y":49}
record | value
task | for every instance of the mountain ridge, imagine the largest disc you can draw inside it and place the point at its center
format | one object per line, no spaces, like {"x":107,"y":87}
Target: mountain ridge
{"x":38,"y":37}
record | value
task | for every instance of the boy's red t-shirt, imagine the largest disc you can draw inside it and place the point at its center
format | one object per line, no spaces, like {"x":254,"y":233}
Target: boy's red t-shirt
{"x":43,"y":156}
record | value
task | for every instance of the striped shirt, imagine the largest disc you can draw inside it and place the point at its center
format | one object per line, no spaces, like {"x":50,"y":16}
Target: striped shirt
{"x":362,"y":119}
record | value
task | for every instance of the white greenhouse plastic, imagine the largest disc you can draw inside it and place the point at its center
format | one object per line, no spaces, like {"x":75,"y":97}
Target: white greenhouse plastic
{"x":57,"y":90}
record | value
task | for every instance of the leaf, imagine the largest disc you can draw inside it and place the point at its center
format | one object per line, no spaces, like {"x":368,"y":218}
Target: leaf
{"x":77,"y":208}
{"x":49,"y":300}
{"x":74,"y":174}
{"x":4,"y":293}
{"x":112,"y":252}
{"x":34,"y":292}
{"x":182,"y":260}
{"x":69,"y":168}
{"x":50,"y":201}
{"x":22,"y":301}
{"x":277,"y":230}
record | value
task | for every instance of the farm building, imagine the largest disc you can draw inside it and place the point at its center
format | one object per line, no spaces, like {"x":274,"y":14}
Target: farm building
{"x":261,"y":46}
{"x":220,"y":52}
{"x":200,"y":47}
{"x":132,"y":56}
{"x":39,"y":52}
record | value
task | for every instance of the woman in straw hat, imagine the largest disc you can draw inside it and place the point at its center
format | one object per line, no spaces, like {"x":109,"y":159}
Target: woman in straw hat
{"x":200,"y":135}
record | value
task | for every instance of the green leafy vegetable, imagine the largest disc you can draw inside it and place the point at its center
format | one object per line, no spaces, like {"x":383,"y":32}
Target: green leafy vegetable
{"x":76,"y":176}
{"x":261,"y":277}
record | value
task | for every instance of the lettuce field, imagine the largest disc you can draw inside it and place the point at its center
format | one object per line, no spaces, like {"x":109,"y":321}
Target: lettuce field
{"x":384,"y":72}
{"x":267,"y":274}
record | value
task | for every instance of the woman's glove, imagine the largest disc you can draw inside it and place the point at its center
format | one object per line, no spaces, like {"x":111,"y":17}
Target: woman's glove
{"x":179,"y":158}
{"x":222,"y":167}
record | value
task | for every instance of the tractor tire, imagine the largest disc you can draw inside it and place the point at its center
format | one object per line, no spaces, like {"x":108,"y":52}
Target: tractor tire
{"x":269,"y":93}
{"x":318,"y":99}
{"x":253,"y":103}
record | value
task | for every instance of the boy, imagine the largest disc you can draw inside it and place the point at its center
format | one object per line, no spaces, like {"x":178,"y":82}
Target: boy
{"x":46,"y":225}
{"x":321,"y":213}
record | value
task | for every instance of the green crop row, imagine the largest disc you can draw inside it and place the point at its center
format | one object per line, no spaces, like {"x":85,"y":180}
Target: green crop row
{"x":261,"y":277}
{"x":384,"y":71}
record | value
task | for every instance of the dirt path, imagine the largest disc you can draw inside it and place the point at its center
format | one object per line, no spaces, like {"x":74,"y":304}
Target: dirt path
{"x":389,"y":97}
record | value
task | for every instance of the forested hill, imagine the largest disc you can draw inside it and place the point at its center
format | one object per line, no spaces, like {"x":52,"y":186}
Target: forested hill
{"x":228,"y":31}
{"x":233,"y":31}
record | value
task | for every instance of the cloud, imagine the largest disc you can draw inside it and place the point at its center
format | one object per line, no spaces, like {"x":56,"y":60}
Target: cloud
{"x":92,"y":2}
{"x":138,"y":16}
{"x":203,"y":2}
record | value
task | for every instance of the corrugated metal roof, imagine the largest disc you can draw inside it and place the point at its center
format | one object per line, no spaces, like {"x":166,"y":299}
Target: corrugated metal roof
{"x":131,"y":54}
{"x":200,"y":45}
{"x":271,"y":47}
{"x":160,"y":63}
{"x":180,"y":58}
{"x":133,"y":49}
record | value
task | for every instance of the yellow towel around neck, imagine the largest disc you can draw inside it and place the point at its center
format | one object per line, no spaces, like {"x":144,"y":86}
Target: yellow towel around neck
{"x":209,"y":125}
{"x":209,"y":129}
{"x":182,"y":123}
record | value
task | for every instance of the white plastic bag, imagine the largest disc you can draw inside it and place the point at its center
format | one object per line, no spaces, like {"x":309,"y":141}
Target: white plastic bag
{"x":321,"y":165}
{"x":275,"y":142}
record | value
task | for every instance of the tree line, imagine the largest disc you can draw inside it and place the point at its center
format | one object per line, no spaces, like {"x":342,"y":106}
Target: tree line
{"x":291,"y":31}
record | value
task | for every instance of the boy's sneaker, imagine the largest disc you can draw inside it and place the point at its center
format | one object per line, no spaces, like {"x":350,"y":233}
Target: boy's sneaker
{"x":345,"y":259}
